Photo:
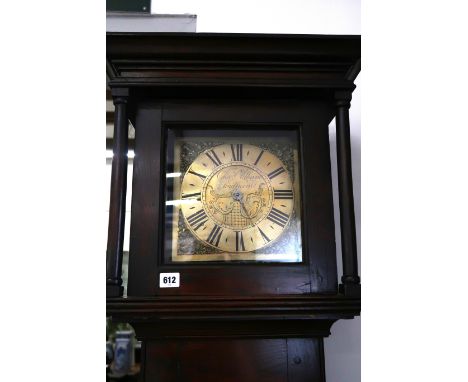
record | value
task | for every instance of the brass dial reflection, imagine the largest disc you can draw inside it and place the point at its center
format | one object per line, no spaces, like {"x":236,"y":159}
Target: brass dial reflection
{"x":237,"y":197}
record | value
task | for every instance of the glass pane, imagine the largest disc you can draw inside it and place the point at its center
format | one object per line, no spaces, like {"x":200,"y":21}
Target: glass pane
{"x":232,"y":195}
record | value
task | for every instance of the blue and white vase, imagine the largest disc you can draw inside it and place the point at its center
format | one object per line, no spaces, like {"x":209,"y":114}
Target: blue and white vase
{"x":124,"y":355}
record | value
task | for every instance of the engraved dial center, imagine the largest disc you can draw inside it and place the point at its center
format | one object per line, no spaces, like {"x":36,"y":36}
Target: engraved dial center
{"x":237,"y":196}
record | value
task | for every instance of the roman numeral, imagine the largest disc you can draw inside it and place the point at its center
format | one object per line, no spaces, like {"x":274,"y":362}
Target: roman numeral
{"x":278,"y":217}
{"x":195,"y":195}
{"x":283,"y":194}
{"x":237,"y":152}
{"x":197,"y":174}
{"x":239,"y":241}
{"x":258,"y":158}
{"x":214,"y":158}
{"x":197,"y":218}
{"x":276,"y":172}
{"x":215,"y":235}
{"x":265,"y":237}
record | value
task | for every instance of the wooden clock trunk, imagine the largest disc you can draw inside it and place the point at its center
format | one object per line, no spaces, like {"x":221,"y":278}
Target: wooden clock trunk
{"x":232,"y":321}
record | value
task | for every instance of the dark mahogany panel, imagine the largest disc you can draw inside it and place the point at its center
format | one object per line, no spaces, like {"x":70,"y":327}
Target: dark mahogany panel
{"x":235,"y":360}
{"x":146,"y":205}
{"x":306,"y":362}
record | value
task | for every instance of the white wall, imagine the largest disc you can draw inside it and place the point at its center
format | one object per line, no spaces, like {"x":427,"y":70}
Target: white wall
{"x":343,"y":347}
{"x":269,"y":16}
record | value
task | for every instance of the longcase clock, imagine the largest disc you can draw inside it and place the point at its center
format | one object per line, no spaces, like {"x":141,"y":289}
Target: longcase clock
{"x":232,"y":267}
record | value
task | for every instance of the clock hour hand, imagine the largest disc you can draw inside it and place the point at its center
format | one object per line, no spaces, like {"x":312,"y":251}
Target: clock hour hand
{"x":239,"y":197}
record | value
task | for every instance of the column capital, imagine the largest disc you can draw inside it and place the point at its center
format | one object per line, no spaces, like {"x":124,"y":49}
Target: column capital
{"x":119,"y":95}
{"x":343,"y":98}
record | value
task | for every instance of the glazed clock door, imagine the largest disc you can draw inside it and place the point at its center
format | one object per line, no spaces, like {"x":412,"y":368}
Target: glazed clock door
{"x":229,"y":201}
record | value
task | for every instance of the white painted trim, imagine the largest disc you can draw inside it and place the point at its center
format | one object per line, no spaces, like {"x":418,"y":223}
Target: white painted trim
{"x":135,"y":22}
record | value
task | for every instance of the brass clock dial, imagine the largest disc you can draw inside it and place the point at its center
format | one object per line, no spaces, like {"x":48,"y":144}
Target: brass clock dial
{"x":237,"y":197}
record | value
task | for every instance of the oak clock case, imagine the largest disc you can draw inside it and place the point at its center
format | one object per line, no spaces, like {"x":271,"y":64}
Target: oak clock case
{"x":253,"y":243}
{"x":232,"y":197}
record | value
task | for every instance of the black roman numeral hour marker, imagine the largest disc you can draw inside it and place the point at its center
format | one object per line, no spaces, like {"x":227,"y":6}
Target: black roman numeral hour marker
{"x":265,"y":237}
{"x":195,"y":195}
{"x":276,"y":172}
{"x":197,"y":174}
{"x":214,"y":158}
{"x":278,"y":217}
{"x":283,"y":194}
{"x":197,"y":219}
{"x":239,"y":241}
{"x":199,"y":225}
{"x":215,"y":235}
{"x":258,"y":158}
{"x":236,"y":152}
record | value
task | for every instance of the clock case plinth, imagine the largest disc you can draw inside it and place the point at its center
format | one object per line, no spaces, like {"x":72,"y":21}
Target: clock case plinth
{"x":231,"y":322}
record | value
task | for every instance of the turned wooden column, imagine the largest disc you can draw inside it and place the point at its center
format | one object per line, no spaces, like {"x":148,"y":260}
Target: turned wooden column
{"x":350,"y":278}
{"x":118,"y":192}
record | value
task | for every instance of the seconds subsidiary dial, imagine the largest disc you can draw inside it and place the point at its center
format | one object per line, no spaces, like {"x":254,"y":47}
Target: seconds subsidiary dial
{"x":237,"y":197}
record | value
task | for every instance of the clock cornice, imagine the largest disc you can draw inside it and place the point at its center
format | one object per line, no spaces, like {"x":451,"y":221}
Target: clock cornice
{"x":219,"y":60}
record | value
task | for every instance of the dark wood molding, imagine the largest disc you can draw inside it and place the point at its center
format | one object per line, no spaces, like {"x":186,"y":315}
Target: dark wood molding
{"x":231,"y":60}
{"x":232,"y":309}
{"x":246,"y":328}
{"x":256,"y":317}
{"x":354,"y":71}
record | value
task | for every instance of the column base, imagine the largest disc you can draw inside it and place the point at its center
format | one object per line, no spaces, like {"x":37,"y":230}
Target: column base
{"x":114,"y":290}
{"x":350,"y":289}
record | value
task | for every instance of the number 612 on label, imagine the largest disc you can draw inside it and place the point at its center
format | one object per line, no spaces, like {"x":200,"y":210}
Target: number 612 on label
{"x":169,"y":280}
